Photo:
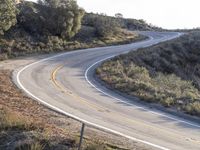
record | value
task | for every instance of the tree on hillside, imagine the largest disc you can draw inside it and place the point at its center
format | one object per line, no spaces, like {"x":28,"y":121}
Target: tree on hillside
{"x":63,"y":17}
{"x":8,"y":13}
{"x":106,"y":26}
{"x":118,"y":15}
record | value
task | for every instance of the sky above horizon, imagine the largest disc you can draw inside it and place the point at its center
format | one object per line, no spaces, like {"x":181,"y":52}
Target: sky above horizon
{"x":169,"y":14}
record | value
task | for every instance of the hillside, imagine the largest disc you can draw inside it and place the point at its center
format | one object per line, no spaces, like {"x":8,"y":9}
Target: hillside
{"x":36,"y":32}
{"x":167,"y":73}
{"x":90,"y":19}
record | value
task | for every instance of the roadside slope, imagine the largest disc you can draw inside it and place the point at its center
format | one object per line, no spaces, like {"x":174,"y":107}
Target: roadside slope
{"x":167,"y":73}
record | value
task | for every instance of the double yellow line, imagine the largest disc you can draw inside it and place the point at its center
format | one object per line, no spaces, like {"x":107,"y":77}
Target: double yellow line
{"x":67,"y":92}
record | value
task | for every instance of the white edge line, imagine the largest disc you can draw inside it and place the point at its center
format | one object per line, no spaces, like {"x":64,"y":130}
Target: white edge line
{"x":125,"y":102}
{"x":153,"y":112}
{"x":73,"y":116}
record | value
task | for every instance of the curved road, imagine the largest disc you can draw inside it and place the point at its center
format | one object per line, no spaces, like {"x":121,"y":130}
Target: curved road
{"x":65,"y":83}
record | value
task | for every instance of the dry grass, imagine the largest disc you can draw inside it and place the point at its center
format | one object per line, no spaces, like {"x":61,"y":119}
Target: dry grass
{"x":13,"y":120}
{"x":27,"y":125}
{"x":167,"y":73}
{"x":31,"y":146}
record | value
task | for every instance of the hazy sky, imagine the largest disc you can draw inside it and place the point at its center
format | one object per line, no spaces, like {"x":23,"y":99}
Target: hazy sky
{"x":164,"y":13}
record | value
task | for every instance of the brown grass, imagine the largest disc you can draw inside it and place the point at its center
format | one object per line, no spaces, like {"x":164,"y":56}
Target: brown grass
{"x":27,"y":125}
{"x":167,"y":73}
{"x":14,"y":120}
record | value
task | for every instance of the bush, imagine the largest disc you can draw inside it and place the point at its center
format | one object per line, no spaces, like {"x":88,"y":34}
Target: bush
{"x":193,"y":108}
{"x":167,"y":73}
{"x":10,"y":120}
{"x":90,"y":19}
{"x":47,"y":26}
{"x":61,"y":19}
{"x":8,"y":14}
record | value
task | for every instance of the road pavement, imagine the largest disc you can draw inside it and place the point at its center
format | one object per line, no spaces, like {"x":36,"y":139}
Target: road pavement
{"x":66,"y":83}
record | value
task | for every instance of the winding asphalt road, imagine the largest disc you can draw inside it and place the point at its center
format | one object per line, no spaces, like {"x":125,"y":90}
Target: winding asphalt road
{"x":65,"y":83}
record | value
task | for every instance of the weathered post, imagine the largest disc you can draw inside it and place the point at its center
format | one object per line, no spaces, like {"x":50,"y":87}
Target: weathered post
{"x":81,"y":136}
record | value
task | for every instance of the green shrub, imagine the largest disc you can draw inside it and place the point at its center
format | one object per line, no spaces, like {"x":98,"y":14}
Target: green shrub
{"x":193,"y":108}
{"x":122,"y":74}
{"x":169,"y":101}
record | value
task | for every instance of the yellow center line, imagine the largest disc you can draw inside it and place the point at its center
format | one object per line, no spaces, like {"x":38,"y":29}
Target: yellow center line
{"x":70,"y":93}
{"x":100,"y":108}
